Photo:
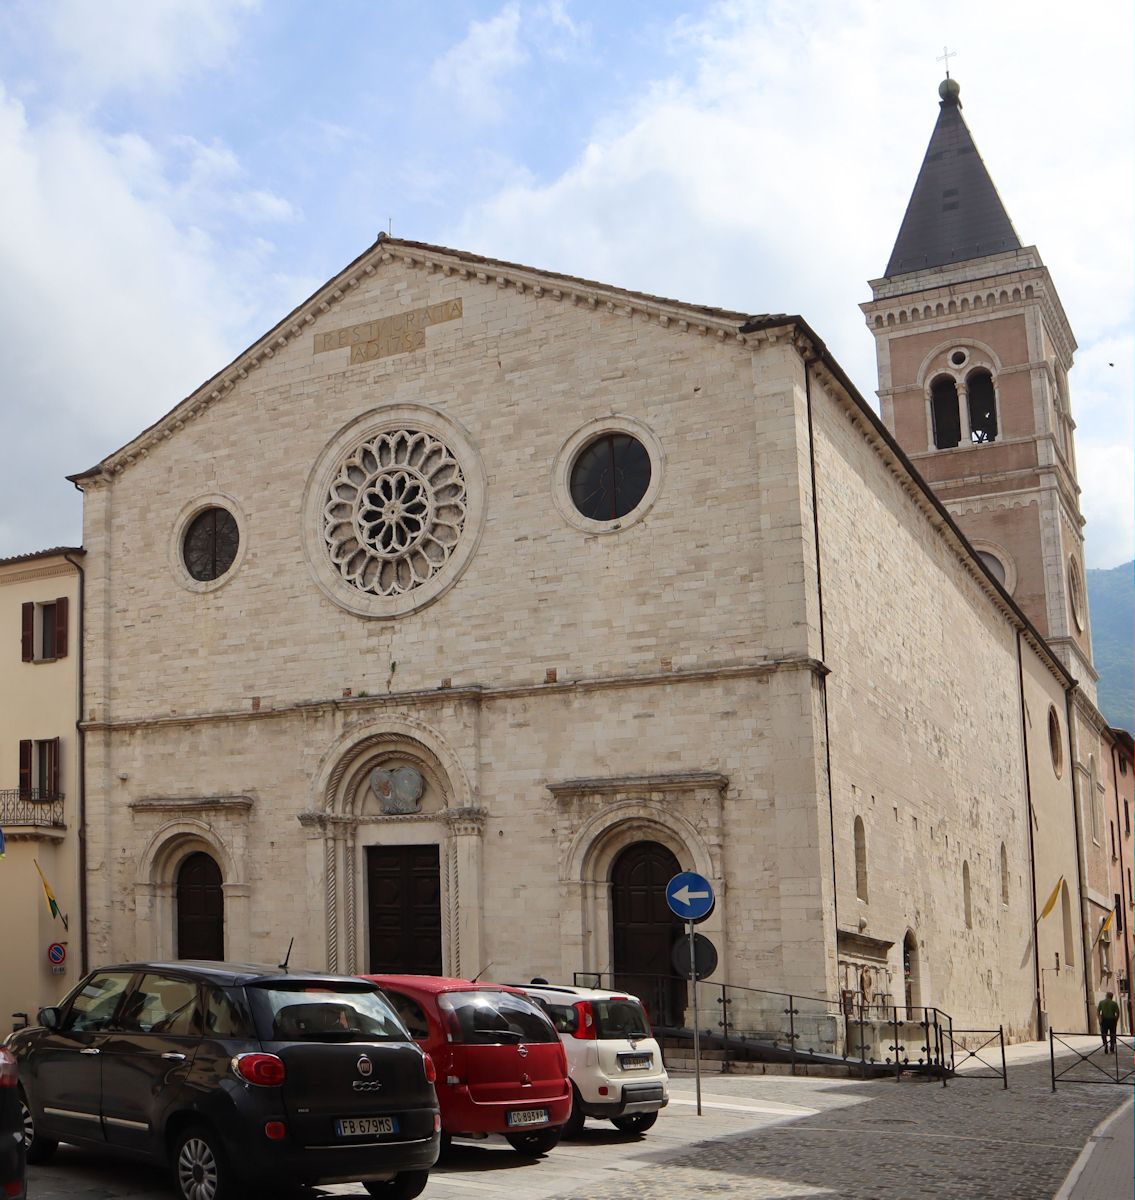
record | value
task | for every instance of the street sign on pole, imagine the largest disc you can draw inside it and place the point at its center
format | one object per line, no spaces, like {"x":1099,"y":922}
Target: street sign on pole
{"x":690,"y":896}
{"x":705,"y":957}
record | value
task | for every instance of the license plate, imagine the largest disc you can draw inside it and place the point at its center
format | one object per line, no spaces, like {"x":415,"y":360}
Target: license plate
{"x":528,"y":1116}
{"x":635,"y":1062}
{"x":366,"y":1126}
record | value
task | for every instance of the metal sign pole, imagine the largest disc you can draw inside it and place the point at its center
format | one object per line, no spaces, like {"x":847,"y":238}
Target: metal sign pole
{"x":697,"y":1036}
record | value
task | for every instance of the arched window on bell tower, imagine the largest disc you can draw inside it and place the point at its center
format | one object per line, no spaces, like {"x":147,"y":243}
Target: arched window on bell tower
{"x":944,"y":413}
{"x":982,"y":406}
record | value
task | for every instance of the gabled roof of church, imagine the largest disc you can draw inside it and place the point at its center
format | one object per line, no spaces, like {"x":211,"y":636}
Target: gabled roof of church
{"x":386,"y":249}
{"x":954,"y":212}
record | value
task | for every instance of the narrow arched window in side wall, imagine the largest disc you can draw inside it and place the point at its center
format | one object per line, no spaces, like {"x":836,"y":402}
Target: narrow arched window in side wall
{"x":860,"y":859}
{"x":982,"y":406}
{"x":967,"y":898}
{"x":944,"y":413}
{"x":1004,"y":876}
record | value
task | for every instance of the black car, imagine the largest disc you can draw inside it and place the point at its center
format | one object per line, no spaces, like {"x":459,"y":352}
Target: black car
{"x":236,"y":1076}
{"x":12,"y":1182}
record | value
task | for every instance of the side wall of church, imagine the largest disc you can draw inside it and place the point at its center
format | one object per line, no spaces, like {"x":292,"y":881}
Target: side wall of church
{"x":924,"y":714}
{"x":657,"y":676}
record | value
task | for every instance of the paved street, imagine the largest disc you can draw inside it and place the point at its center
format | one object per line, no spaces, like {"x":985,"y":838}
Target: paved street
{"x":767,"y":1137}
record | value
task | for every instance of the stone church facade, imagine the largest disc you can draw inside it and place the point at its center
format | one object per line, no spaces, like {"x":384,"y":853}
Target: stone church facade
{"x":472,"y":600}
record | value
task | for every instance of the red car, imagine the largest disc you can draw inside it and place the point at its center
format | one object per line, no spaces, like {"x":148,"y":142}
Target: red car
{"x":500,"y":1065}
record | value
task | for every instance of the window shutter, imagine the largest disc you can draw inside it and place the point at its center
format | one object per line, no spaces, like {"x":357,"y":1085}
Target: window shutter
{"x":25,"y":767}
{"x":53,"y":768}
{"x":61,"y":627}
{"x":27,"y":632}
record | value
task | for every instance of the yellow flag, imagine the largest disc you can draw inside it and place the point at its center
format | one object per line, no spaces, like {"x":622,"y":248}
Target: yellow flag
{"x":1052,"y":899}
{"x":1105,"y":926}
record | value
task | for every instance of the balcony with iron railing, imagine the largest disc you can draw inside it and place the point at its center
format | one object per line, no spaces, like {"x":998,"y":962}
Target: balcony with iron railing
{"x":31,"y":810}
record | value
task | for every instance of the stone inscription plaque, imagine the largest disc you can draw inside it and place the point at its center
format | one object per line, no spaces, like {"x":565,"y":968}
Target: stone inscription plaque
{"x":388,"y":335}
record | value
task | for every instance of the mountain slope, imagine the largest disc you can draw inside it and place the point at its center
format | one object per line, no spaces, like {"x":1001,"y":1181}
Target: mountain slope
{"x":1111,"y":595}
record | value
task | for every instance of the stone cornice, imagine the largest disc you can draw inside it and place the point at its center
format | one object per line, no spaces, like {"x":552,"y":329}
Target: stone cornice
{"x":473,"y":693}
{"x":30,"y":572}
{"x":461,"y":821}
{"x":184,"y":804}
{"x":724,"y":326}
{"x":677,"y":781}
{"x":972,"y":299}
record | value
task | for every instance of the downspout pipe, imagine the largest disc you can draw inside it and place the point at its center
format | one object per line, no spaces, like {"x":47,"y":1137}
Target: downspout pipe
{"x":82,"y":741}
{"x":1032,"y":846}
{"x":823,"y":645}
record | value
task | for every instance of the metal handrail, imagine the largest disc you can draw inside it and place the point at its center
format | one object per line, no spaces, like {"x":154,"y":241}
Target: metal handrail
{"x":31,"y":806}
{"x":860,"y":1026}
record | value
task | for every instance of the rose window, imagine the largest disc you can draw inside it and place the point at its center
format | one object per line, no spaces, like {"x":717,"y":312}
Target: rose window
{"x":395,"y":512}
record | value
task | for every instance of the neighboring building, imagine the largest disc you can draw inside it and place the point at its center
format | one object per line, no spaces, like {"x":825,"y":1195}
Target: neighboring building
{"x":1121,"y":940}
{"x":40,"y":801}
{"x":974,"y":353}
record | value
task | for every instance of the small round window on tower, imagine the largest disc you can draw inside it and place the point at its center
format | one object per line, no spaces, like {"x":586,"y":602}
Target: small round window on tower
{"x":1076,"y":594}
{"x":958,"y":358}
{"x":1055,"y":743}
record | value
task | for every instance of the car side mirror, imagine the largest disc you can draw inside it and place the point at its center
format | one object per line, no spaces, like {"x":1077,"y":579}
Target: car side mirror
{"x":49,"y":1018}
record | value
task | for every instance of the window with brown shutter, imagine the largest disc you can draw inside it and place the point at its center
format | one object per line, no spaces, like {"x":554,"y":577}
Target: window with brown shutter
{"x":52,"y":781}
{"x":25,"y":768}
{"x":61,"y":627}
{"x":27,"y":632}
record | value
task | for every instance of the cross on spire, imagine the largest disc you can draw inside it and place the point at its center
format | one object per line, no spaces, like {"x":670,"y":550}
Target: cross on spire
{"x":945,"y":57}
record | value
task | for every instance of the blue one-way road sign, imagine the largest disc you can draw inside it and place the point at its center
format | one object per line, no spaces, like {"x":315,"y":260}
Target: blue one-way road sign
{"x":690,"y":896}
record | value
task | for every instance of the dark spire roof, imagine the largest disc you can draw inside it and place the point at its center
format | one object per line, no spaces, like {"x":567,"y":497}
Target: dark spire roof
{"x":954,"y":211}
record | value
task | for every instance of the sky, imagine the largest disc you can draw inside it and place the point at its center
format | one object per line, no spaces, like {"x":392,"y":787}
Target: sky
{"x":177,"y":175}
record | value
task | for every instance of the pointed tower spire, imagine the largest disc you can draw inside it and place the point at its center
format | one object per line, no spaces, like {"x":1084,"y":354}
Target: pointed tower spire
{"x":954,"y":212}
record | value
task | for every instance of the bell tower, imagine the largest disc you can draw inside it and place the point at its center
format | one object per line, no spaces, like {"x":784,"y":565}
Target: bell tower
{"x":974,"y":351}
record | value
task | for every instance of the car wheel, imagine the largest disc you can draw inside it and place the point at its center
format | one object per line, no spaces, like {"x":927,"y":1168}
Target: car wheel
{"x":37,"y":1149}
{"x":200,"y":1169}
{"x":539,"y":1141}
{"x":404,"y":1186}
{"x":573,"y":1126}
{"x":635,"y":1123}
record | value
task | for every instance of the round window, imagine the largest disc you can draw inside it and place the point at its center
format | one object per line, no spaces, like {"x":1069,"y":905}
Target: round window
{"x":1055,"y":744}
{"x":610,"y":477}
{"x":993,"y":565}
{"x":210,"y":544}
{"x":1076,"y":594}
{"x":958,"y":358}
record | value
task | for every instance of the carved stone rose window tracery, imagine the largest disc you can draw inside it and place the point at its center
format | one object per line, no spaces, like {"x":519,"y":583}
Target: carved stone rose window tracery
{"x":395,"y":512}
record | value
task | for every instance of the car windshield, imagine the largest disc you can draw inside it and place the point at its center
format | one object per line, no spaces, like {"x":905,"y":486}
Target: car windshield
{"x":614,"y":1019}
{"x":619,"y":1019}
{"x":494,"y":1018}
{"x":324,"y":1012}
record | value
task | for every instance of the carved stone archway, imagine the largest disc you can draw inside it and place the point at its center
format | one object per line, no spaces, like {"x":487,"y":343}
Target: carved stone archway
{"x":347,"y":815}
{"x":599,"y":818}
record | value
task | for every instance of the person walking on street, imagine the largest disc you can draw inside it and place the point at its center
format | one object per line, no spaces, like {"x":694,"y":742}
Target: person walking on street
{"x":1108,"y":1011}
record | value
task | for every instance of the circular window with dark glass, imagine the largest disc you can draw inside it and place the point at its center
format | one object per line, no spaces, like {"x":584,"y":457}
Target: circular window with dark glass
{"x":610,"y":477}
{"x":210,"y":544}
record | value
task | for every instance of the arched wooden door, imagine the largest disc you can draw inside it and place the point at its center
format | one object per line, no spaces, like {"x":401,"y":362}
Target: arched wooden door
{"x":645,"y":930}
{"x":200,"y":909}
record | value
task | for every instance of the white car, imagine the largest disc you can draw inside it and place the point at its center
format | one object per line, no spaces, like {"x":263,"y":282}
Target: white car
{"x":614,"y":1063}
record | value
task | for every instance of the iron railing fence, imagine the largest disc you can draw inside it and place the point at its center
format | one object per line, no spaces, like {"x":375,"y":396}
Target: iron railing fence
{"x":984,"y":1048}
{"x":1098,"y":1066}
{"x":739,"y":1022}
{"x":31,"y":806}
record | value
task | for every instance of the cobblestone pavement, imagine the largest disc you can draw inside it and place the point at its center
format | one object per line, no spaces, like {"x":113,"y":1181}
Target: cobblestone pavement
{"x":767,"y":1137}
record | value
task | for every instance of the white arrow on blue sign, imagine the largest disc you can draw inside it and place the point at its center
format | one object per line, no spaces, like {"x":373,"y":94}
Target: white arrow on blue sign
{"x":690,"y":896}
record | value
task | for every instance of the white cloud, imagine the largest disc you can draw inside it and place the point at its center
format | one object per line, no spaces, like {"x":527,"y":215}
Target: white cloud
{"x":123,"y":45}
{"x":769,"y":171}
{"x":115,"y":305}
{"x":474,"y":72}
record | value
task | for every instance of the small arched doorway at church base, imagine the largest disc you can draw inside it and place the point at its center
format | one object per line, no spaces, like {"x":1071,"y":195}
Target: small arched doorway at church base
{"x":910,"y":973}
{"x":200,"y":909}
{"x":645,"y":930}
